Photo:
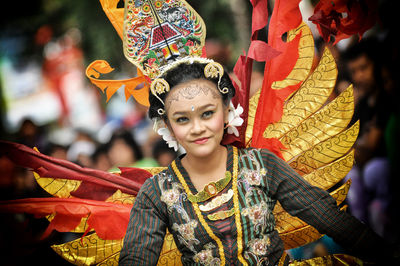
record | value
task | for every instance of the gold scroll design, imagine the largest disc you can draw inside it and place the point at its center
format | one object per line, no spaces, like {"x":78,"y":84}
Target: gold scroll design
{"x":293,"y":231}
{"x":317,"y":140}
{"x":325,"y":152}
{"x":310,"y":97}
{"x":299,"y":73}
{"x":305,"y":60}
{"x":92,"y":250}
{"x":322,"y":165}
{"x":325,"y":123}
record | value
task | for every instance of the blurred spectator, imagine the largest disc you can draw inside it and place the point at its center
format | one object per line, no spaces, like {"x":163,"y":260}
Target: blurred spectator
{"x":369,"y":195}
{"x":82,"y":149}
{"x":80,"y":152}
{"x":123,"y":151}
{"x":56,"y":151}
{"x":100,"y":158}
{"x":218,"y":51}
{"x":31,"y":135}
{"x":163,"y":154}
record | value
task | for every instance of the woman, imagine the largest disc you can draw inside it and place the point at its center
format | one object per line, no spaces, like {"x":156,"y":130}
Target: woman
{"x":217,"y":200}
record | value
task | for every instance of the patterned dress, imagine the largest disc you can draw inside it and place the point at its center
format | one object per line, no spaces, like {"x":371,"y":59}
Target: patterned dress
{"x":231,"y":222}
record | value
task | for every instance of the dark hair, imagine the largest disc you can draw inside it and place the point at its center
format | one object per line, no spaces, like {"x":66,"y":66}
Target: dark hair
{"x":368,"y":47}
{"x":185,"y":72}
{"x":128,"y":138}
{"x":161,"y":147}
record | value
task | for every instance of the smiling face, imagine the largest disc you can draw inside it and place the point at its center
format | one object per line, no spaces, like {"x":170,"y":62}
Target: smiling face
{"x":196,"y":116}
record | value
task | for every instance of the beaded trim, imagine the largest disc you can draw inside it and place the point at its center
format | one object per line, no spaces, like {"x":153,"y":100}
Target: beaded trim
{"x":235,"y":204}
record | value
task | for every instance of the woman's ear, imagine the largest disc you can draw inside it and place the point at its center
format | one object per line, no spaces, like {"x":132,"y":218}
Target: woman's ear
{"x":226,"y":114}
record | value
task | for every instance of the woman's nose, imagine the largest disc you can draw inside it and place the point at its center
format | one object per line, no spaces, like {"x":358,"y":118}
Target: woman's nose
{"x":197,"y":126}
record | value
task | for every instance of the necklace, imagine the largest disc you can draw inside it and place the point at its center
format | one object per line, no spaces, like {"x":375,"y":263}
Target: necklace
{"x":211,"y":189}
{"x":235,"y":204}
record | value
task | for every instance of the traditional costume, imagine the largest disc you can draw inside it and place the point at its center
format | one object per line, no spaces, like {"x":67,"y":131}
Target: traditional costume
{"x":291,"y":148}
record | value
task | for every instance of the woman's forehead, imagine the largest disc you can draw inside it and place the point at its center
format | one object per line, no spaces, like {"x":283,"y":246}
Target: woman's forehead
{"x":192,"y":89}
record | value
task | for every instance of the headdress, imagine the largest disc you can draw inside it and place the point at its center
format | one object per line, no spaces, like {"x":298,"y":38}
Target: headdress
{"x":212,"y":70}
{"x":157,"y":37}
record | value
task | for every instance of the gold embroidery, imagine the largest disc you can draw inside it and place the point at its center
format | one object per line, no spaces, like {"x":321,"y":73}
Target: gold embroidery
{"x":235,"y":204}
{"x":221,"y":215}
{"x":211,"y":189}
{"x":237,"y":209}
{"x":200,"y":216}
{"x":217,"y":201}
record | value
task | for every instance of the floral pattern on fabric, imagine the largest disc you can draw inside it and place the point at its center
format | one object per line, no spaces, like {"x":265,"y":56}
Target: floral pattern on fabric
{"x":205,"y":256}
{"x":171,"y":196}
{"x":186,"y":232}
{"x":174,"y":198}
{"x":253,"y":178}
{"x":258,"y":215}
{"x":258,"y":248}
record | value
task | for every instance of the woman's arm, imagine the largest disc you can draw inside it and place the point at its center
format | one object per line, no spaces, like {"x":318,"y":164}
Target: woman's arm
{"x":146,"y":229}
{"x":317,"y":208}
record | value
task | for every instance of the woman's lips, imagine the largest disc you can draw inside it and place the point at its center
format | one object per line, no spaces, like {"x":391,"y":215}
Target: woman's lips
{"x":201,"y":141}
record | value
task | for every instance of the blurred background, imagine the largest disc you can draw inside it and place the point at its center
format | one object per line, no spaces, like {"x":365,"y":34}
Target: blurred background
{"x":47,"y":102}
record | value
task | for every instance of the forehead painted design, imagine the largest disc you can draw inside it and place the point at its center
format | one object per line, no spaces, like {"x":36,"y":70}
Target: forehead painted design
{"x":191,"y":91}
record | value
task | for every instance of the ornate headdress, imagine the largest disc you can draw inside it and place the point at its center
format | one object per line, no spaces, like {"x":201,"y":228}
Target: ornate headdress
{"x":157,"y":37}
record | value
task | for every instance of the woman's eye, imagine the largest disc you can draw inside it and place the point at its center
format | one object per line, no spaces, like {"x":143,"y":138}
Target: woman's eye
{"x":207,"y":114}
{"x":182,"y":119}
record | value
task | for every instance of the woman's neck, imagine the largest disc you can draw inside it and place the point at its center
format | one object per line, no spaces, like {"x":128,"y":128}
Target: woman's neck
{"x":208,"y":166}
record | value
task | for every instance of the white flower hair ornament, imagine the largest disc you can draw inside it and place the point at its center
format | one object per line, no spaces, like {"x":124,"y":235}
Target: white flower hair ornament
{"x":234,"y":119}
{"x":162,"y":130}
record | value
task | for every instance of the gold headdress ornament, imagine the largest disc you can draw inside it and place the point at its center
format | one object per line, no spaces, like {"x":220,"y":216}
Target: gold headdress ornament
{"x":157,"y":36}
{"x":212,"y":70}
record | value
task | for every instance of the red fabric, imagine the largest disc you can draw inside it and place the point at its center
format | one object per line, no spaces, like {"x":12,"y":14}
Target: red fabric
{"x":259,"y":15}
{"x":343,"y":18}
{"x":286,"y":16}
{"x":259,"y":51}
{"x":92,"y":179}
{"x":109,"y":220}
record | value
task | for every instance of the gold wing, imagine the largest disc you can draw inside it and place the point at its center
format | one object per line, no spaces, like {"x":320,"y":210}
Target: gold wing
{"x":315,"y":132}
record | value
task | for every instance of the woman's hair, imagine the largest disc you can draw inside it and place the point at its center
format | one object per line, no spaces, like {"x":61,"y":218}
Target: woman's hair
{"x":185,"y":72}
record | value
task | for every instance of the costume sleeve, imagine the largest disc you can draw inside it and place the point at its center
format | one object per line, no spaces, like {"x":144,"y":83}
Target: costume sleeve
{"x":317,"y":208}
{"x":146,"y":229}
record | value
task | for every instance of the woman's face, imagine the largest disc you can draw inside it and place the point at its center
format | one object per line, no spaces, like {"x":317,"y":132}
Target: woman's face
{"x":196,"y":116}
